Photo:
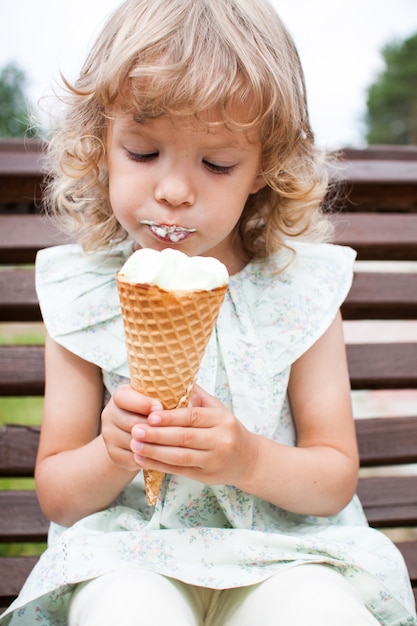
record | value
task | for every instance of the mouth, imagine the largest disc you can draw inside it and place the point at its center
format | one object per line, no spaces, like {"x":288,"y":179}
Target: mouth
{"x":169,"y":234}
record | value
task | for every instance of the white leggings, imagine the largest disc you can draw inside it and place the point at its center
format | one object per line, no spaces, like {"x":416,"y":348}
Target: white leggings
{"x":306,"y":594}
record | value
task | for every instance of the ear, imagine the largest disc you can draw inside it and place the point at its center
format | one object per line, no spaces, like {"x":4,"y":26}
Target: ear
{"x":258,"y":183}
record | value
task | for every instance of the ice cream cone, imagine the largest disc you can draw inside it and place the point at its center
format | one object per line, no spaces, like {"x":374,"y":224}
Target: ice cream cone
{"x":166,"y":336}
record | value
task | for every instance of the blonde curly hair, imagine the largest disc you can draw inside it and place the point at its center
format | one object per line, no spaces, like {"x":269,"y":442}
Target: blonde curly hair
{"x":185,"y":57}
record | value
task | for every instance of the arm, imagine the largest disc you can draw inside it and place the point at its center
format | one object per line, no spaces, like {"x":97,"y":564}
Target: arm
{"x":317,"y":477}
{"x":78,"y":470}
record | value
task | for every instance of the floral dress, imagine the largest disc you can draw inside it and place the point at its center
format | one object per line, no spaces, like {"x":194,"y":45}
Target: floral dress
{"x":212,"y":536}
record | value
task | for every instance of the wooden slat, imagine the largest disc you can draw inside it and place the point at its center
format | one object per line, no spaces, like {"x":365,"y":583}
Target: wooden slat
{"x":13,"y":573}
{"x":20,"y":171}
{"x":384,"y":366}
{"x":380,"y":153}
{"x":375,"y":236}
{"x":373,"y":296}
{"x":22,"y":369}
{"x":21,"y":157}
{"x":21,"y":236}
{"x":21,"y":518}
{"x":409,"y":551}
{"x":389,"y":501}
{"x":387,"y":440}
{"x":382,"y":296}
{"x":18,"y":449}
{"x":371,"y":366}
{"x":381,"y":236}
{"x":382,"y":441}
{"x":18,"y":300}
{"x":384,"y":172}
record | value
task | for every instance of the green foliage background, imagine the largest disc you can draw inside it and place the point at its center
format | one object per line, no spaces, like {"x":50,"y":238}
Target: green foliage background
{"x":14,"y":108}
{"x":392,"y":99}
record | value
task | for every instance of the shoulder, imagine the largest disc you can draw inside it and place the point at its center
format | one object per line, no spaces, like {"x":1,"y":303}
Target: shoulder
{"x":71,"y":261}
{"x":293,"y":298}
{"x":300,"y":270}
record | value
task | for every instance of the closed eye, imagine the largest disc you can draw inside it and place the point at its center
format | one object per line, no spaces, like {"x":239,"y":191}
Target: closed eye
{"x":218,"y":169}
{"x":141,"y":158}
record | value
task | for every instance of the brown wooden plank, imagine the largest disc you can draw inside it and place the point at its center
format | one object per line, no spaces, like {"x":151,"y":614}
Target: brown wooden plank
{"x":375,"y":236}
{"x":21,"y":518}
{"x":21,"y":190}
{"x":409,"y":551}
{"x":21,"y":236}
{"x":389,"y":500}
{"x":385,"y":366}
{"x":21,"y":157}
{"x":373,"y":296}
{"x":20,"y":171}
{"x":382,"y":441}
{"x":13,"y":573}
{"x":371,"y":366}
{"x":380,"y":152}
{"x":18,"y":449}
{"x":387,"y":440}
{"x":381,"y":236}
{"x":382,"y":296}
{"x":22,"y":369}
{"x":18,"y":300}
{"x":384,"y":172}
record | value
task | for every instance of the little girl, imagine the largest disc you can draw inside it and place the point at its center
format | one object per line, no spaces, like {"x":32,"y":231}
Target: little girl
{"x":188,"y":128}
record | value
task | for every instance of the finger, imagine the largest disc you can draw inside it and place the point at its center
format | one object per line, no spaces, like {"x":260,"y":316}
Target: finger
{"x":199,"y":397}
{"x":144,"y":440}
{"x":128,"y":399}
{"x":169,"y":459}
{"x":192,"y":417}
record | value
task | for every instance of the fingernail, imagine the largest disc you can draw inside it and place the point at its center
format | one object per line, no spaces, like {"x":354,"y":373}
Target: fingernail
{"x":154,"y":420}
{"x":157,"y":407}
{"x":136,"y":446}
{"x":138,"y":432}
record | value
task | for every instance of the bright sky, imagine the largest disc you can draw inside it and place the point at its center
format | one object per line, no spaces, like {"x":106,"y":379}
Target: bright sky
{"x":339,"y":42}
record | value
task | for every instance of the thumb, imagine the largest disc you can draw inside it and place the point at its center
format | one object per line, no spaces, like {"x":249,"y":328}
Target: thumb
{"x":199,"y":397}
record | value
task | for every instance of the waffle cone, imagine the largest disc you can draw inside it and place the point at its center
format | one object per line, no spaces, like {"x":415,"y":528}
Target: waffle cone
{"x":166,"y":336}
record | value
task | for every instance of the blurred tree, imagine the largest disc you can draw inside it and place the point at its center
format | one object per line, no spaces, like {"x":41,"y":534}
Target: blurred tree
{"x":392,"y":99}
{"x":14,"y":113}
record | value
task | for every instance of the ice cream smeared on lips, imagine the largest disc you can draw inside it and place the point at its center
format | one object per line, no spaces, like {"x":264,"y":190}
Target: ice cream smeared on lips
{"x":170,"y":303}
{"x":172,"y":234}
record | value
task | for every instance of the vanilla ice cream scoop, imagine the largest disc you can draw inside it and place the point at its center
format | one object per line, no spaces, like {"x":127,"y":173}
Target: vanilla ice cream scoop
{"x":173,"y":270}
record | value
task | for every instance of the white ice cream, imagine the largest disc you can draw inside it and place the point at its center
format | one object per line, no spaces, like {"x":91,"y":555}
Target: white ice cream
{"x":173,"y":270}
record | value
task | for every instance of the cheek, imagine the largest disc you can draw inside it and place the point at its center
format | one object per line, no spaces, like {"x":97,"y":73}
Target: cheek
{"x":123,"y":195}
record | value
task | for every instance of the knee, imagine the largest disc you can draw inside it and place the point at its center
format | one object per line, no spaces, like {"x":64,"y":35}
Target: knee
{"x":131,"y":598}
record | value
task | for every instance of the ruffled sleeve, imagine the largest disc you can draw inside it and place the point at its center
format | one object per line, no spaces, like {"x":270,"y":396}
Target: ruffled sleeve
{"x":274,"y":311}
{"x":80,"y":305}
{"x":296,"y":306}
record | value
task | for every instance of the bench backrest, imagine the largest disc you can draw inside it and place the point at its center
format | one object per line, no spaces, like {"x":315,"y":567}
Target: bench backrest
{"x":377,"y":217}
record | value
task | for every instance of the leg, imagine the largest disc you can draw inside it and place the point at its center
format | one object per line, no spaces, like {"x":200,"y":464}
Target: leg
{"x":134,"y":597}
{"x":306,"y":594}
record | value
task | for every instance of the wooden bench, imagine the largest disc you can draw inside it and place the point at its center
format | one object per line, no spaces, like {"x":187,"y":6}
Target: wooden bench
{"x":378,"y":218}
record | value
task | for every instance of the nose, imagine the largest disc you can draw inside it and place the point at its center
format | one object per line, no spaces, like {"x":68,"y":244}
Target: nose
{"x":175,"y":187}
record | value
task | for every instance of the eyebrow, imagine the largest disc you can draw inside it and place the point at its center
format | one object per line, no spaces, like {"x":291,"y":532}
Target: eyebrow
{"x":141,"y":119}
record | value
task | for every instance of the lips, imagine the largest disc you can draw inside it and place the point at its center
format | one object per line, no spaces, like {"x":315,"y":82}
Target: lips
{"x":169,"y":234}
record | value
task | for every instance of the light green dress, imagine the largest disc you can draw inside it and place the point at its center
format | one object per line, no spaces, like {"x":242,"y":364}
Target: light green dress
{"x":213,"y":536}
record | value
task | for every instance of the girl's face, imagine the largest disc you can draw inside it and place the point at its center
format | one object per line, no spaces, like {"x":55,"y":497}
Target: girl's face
{"x":173,"y":183}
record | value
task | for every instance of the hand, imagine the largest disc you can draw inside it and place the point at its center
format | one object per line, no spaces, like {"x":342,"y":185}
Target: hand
{"x":204,"y":442}
{"x":127,"y":408}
